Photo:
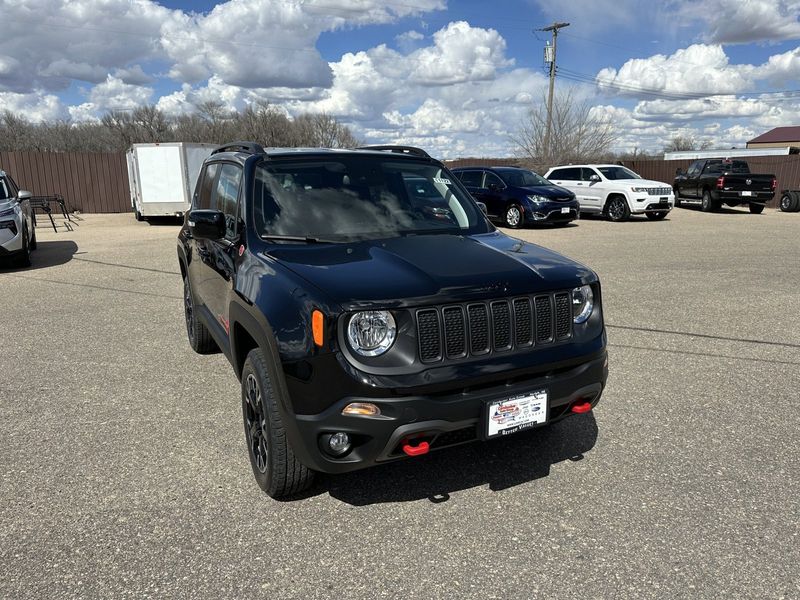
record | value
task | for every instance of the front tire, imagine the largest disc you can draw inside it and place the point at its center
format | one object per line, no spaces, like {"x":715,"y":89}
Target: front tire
{"x":23,"y":259}
{"x":617,"y":209}
{"x":275,"y":467}
{"x":514,"y":216}
{"x":199,"y":336}
{"x":756,"y":209}
{"x":34,"y":243}
{"x":678,"y":201}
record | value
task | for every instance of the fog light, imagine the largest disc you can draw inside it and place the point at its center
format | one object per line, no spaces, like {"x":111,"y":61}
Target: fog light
{"x":339,"y":443}
{"x":363,"y":409}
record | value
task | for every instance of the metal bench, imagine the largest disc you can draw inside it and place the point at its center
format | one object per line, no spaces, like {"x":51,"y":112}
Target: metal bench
{"x":45,"y":204}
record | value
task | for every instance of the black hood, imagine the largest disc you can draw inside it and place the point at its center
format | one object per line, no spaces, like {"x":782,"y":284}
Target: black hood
{"x":423,"y":269}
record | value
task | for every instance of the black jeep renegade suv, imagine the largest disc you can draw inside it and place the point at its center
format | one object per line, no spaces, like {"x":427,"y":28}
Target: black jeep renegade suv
{"x":372,"y":312}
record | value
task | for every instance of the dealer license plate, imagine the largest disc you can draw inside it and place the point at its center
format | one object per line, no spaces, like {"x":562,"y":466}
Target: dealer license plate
{"x":747,"y":193}
{"x":565,"y":211}
{"x":507,"y":416}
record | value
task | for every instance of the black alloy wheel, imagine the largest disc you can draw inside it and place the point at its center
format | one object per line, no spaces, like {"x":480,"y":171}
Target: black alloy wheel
{"x":199,"y":337}
{"x":255,"y":424}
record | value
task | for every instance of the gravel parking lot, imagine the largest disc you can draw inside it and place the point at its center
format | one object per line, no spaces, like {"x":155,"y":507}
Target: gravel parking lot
{"x":123,"y":470}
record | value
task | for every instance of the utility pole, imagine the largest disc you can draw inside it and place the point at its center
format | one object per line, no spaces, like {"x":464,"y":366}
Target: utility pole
{"x":550,"y":57}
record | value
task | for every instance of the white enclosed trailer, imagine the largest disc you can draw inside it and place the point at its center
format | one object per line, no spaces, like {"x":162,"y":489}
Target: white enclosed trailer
{"x":162,"y":177}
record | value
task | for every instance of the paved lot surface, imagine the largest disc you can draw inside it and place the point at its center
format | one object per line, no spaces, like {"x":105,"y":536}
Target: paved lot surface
{"x":123,"y":471}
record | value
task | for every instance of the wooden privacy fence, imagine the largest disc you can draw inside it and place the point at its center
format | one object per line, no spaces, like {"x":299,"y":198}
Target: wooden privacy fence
{"x":89,"y":182}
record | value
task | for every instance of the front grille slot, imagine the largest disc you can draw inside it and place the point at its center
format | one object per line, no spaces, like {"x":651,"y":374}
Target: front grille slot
{"x":544,"y":319}
{"x":501,"y":321}
{"x":430,"y":342}
{"x":563,"y":317}
{"x":455,"y":335}
{"x":478,"y":329}
{"x":524,"y":324}
{"x":460,"y":331}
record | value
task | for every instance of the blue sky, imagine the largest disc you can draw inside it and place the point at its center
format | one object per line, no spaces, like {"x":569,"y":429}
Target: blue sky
{"x":455,"y":76}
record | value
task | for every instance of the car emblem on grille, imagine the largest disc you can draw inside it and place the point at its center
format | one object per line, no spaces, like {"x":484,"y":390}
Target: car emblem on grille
{"x":748,"y":181}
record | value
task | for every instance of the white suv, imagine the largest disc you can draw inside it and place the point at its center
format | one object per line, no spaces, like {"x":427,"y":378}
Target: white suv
{"x":614,"y":191}
{"x":17,"y":224}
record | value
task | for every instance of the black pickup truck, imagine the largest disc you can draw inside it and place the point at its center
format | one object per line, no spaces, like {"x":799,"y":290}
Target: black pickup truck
{"x":717,"y":181}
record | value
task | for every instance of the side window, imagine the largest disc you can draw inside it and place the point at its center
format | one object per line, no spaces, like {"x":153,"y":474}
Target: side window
{"x":472,"y":178}
{"x":205,"y":197}
{"x":586,"y":174}
{"x":226,"y":196}
{"x":491,"y":178}
{"x":557,"y":174}
{"x":570,"y":174}
{"x":693,"y":169}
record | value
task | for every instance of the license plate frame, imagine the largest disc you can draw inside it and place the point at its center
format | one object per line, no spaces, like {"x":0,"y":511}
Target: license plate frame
{"x":747,"y":193}
{"x":518,"y":413}
{"x":564,"y":210}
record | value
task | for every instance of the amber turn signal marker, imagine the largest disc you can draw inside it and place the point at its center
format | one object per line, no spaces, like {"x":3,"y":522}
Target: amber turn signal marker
{"x":318,"y":327}
{"x":364,"y":409}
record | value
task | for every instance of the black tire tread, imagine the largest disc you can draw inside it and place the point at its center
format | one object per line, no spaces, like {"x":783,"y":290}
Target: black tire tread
{"x":200,"y":340}
{"x":795,"y":204}
{"x":286,"y":476}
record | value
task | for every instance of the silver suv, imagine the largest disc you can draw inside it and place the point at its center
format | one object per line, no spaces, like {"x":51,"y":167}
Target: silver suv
{"x":17,"y":223}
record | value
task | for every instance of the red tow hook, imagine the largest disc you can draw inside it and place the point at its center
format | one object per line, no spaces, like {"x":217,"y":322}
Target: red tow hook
{"x":418,"y":450}
{"x":584,"y":407}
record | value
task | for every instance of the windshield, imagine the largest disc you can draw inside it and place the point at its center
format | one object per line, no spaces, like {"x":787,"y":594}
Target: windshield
{"x":612,"y":173}
{"x":4,"y":191}
{"x":360,"y":197}
{"x":522,"y":178}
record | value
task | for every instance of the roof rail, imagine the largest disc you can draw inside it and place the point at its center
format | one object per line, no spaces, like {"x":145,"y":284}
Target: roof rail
{"x":246,"y":147}
{"x":398,"y":150}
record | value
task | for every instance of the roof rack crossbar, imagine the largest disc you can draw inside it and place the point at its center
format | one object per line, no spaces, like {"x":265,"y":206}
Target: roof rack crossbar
{"x":246,"y":147}
{"x":398,"y":150}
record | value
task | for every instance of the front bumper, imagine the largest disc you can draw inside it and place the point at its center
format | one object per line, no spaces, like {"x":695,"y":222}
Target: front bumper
{"x":443,"y":419}
{"x":10,"y":236}
{"x":648,"y":204}
{"x":552,"y":212}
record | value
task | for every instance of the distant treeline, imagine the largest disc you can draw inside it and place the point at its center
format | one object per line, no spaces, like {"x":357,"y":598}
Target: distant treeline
{"x":212,"y":123}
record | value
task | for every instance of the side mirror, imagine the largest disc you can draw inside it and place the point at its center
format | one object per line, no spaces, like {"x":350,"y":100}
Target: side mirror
{"x":207,"y":224}
{"x":24,"y":195}
{"x":594,"y":178}
{"x":483,"y":208}
{"x":678,"y":171}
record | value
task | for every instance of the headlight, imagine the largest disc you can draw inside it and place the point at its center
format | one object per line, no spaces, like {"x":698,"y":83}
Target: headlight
{"x":7,"y":212}
{"x":371,"y":333}
{"x":639,"y":190}
{"x":582,"y":303}
{"x":537,"y":199}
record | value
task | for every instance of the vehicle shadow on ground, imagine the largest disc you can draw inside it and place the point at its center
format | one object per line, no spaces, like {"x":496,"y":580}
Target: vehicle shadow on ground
{"x":163,"y":221}
{"x":47,"y":254}
{"x":502,"y":464}
{"x":724,"y":210}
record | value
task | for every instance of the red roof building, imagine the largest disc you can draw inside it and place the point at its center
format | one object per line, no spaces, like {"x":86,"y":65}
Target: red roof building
{"x":780,"y":137}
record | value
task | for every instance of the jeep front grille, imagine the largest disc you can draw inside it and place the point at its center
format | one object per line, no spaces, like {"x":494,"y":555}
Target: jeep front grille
{"x":659,"y":191}
{"x":479,"y":328}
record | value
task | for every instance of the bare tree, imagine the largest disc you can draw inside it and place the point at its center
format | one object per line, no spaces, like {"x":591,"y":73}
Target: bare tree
{"x":686,"y":142}
{"x":117,"y":130}
{"x":576,"y":135}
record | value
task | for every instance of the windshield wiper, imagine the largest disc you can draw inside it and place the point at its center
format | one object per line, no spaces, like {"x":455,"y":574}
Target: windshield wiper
{"x":297,"y":238}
